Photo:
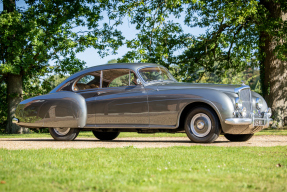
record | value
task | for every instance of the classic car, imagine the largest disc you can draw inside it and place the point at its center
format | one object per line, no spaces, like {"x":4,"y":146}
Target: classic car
{"x":144,"y":98}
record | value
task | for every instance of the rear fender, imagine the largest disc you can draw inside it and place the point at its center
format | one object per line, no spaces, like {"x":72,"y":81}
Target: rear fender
{"x":60,"y":109}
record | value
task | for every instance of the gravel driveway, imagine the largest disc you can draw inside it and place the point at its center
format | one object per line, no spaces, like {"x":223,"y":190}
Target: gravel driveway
{"x":139,"y":142}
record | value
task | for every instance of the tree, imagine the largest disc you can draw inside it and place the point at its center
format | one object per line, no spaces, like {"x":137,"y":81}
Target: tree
{"x":44,"y":31}
{"x":112,"y":61}
{"x":239,"y":34}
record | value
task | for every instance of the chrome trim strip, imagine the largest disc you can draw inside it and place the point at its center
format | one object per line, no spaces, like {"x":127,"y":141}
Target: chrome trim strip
{"x":101,"y":79}
{"x":238,"y":121}
{"x":128,"y":126}
{"x":129,"y":77}
{"x":146,"y":83}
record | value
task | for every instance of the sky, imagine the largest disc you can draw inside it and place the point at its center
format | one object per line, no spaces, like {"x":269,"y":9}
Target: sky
{"x":90,"y":55}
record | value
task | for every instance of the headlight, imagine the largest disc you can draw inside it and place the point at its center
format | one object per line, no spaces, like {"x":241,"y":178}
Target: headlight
{"x":259,"y":103}
{"x":269,"y":112}
{"x":238,"y":103}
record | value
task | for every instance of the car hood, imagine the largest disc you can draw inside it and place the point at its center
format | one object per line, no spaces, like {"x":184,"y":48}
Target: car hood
{"x":219,"y":87}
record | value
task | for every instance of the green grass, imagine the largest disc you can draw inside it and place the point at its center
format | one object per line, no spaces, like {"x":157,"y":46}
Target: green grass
{"x":272,"y":132}
{"x":133,"y":134}
{"x":196,"y":168}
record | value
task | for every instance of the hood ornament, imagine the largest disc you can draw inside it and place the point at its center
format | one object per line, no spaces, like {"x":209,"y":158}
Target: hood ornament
{"x":243,"y":82}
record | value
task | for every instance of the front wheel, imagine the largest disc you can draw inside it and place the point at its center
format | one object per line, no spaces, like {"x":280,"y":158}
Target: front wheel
{"x":105,"y":136}
{"x":64,"y":134}
{"x":202,"y":125}
{"x":238,"y":138}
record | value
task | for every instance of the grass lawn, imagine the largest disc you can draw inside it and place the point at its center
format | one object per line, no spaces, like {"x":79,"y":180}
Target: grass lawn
{"x":133,"y":134}
{"x":196,"y":168}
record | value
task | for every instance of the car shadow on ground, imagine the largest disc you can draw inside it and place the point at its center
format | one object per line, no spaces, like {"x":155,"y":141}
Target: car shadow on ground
{"x":112,"y":141}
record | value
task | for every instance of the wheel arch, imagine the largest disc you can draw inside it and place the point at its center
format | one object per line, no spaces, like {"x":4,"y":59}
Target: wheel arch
{"x":193,"y":105}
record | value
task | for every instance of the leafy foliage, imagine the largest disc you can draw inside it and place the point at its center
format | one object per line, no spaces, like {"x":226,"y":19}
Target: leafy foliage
{"x":47,"y":31}
{"x":231,"y":40}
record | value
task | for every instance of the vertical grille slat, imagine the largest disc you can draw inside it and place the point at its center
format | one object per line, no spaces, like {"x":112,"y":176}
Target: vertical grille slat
{"x":245,"y":96}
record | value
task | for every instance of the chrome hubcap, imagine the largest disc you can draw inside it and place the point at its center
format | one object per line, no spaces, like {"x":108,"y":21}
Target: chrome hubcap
{"x":62,"y":131}
{"x":200,"y":125}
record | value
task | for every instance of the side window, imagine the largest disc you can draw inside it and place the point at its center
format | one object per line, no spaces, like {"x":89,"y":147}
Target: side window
{"x":120,"y":81}
{"x":118,"y":78}
{"x":89,"y":81}
{"x":86,"y":79}
{"x":151,"y":74}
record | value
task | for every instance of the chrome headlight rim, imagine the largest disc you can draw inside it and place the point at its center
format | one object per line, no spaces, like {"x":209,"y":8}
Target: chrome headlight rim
{"x":238,"y":104}
{"x":259,"y":103}
{"x":269,"y":112}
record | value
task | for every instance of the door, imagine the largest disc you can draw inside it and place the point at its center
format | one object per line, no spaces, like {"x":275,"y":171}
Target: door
{"x":163,"y":107}
{"x":88,"y":86}
{"x":120,"y":101}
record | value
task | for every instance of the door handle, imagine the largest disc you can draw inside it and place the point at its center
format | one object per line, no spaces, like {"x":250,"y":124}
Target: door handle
{"x":100,"y":92}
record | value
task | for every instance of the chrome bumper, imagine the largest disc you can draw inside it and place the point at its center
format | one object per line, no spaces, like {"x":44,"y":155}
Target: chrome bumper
{"x":252,"y":122}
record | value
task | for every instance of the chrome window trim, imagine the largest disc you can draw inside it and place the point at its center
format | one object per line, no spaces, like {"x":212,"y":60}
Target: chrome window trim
{"x":129,"y":77}
{"x":101,"y":79}
{"x":146,"y":83}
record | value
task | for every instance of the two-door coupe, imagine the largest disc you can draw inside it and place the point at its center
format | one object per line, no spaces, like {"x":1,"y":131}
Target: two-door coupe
{"x":144,"y":98}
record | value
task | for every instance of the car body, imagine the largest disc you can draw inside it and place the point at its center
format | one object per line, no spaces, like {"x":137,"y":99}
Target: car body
{"x":144,"y":98}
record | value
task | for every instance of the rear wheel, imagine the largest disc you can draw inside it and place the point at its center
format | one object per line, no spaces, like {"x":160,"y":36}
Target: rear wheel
{"x":105,"y":136}
{"x":64,"y":134}
{"x":239,"y":138}
{"x":202,"y":125}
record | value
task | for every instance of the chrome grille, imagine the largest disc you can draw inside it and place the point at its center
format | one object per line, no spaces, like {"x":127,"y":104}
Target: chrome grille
{"x":245,"y":96}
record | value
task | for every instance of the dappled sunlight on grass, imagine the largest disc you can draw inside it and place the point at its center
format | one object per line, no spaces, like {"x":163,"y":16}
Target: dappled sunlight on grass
{"x":196,"y":168}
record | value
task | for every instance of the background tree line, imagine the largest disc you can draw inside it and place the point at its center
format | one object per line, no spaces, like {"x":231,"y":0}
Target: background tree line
{"x":240,"y":36}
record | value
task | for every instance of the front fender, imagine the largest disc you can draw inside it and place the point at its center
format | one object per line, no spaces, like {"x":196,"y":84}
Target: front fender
{"x":219,"y":101}
{"x":60,"y":109}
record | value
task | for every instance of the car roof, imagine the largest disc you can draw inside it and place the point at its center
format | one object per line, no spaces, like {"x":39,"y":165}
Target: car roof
{"x":131,"y":66}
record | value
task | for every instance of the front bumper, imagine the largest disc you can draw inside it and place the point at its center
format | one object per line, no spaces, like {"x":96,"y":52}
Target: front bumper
{"x":264,"y":121}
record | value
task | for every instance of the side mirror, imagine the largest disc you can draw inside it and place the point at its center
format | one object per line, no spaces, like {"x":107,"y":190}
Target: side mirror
{"x":139,"y":82}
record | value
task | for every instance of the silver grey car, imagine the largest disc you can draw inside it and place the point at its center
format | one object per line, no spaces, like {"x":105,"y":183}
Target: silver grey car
{"x":144,"y":98}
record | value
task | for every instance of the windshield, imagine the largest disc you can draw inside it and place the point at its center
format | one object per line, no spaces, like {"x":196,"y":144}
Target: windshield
{"x":150,"y":74}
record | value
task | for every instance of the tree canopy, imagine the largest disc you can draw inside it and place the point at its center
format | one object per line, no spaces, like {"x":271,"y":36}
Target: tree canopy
{"x":231,"y":40}
{"x":45,"y":31}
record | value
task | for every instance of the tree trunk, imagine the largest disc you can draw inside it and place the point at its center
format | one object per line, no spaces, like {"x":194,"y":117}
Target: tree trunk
{"x":14,"y":97}
{"x":274,"y":70}
{"x":14,"y":85}
{"x":9,"y":5}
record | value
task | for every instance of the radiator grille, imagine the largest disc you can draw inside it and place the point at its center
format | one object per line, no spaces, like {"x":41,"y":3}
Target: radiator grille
{"x":245,"y":96}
